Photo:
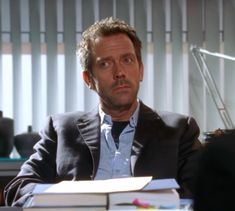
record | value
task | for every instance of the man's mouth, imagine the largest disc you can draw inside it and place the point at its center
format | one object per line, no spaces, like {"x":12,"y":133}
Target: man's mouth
{"x":121,"y":87}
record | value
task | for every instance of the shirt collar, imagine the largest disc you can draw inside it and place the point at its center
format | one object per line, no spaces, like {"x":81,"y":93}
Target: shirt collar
{"x":105,"y":118}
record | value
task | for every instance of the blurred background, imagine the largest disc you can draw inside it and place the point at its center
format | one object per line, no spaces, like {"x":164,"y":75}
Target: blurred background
{"x":40,"y":72}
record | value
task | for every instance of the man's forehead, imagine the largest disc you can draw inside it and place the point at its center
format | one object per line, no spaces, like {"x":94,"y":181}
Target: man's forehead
{"x":117,"y":44}
{"x":109,"y":42}
{"x":99,"y":38}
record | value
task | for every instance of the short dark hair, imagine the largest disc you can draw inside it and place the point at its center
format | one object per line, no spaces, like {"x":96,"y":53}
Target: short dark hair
{"x":103,"y":28}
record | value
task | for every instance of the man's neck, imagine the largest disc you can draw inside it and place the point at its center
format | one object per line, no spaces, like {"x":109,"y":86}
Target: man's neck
{"x":122,"y":113}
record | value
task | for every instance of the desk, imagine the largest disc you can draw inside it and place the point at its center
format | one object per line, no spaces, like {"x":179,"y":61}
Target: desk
{"x":9,"y":168}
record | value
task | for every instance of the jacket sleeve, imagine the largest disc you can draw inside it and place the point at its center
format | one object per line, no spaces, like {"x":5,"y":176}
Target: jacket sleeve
{"x":39,"y":168}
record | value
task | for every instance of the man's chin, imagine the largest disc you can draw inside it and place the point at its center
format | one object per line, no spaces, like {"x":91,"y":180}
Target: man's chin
{"x":123,"y":104}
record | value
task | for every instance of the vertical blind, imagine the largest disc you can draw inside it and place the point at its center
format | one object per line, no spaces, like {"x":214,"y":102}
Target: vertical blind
{"x":40,"y":72}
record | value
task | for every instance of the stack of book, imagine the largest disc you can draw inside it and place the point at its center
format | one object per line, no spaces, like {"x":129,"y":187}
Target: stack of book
{"x":100,"y":195}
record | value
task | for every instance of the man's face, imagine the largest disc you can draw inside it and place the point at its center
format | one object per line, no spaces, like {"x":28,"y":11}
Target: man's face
{"x":116,"y":72}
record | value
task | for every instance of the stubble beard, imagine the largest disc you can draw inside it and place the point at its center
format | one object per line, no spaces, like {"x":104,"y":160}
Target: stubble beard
{"x":113,"y":104}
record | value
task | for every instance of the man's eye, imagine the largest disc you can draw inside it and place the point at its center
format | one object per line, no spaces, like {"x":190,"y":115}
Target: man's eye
{"x":127,"y":60}
{"x":104,"y":64}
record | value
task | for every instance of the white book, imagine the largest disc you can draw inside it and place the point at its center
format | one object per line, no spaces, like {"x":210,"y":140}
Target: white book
{"x":83,"y":193}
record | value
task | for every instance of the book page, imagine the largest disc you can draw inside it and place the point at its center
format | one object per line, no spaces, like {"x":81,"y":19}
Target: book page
{"x":100,"y":186}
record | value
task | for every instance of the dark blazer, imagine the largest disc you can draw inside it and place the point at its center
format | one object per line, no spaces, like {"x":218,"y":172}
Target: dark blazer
{"x":165,"y":146}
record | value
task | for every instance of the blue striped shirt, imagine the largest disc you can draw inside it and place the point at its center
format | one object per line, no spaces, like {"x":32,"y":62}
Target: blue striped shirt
{"x":116,"y":163}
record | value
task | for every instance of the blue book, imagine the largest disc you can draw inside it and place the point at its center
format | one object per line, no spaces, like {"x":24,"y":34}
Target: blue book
{"x":160,"y":184}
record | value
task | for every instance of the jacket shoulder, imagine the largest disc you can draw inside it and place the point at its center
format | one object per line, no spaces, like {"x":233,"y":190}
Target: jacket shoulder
{"x":74,"y":116}
{"x":177,"y":120}
{"x":165,"y":116}
{"x":170,"y":119}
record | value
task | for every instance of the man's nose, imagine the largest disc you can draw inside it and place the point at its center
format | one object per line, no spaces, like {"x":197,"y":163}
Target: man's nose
{"x":118,"y":71}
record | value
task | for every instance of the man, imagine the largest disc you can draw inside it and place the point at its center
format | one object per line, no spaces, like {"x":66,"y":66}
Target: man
{"x":122,"y":136}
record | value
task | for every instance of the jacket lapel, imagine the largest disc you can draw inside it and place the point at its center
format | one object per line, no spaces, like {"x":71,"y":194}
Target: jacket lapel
{"x":149,"y":122}
{"x":88,"y":126}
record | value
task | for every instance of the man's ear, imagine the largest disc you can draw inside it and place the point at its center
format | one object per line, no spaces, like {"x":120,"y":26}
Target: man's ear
{"x":141,"y":69}
{"x":87,"y":79}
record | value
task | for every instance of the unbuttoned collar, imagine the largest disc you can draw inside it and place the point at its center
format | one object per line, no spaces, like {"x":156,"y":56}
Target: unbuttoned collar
{"x":105,"y":118}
